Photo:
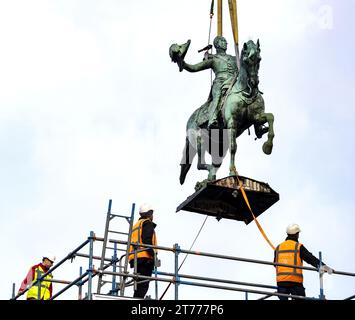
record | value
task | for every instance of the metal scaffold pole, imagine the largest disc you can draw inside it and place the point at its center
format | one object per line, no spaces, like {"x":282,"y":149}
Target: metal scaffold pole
{"x":90,"y":270}
{"x":125,"y":268}
{"x":321,"y":294}
{"x":177,"y":278}
{"x":80,"y":285}
{"x":13,"y":291}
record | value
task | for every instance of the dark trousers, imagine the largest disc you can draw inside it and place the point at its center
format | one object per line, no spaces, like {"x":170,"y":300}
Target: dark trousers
{"x":297,"y":289}
{"x":145,"y":268}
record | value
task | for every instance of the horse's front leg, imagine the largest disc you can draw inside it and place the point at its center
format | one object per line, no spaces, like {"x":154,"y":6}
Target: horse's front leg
{"x":269,"y":118}
{"x":219,"y":148}
{"x":201,"y":151}
{"x":233,"y":150}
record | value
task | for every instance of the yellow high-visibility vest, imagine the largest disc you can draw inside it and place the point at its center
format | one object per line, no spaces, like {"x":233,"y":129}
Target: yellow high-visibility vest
{"x":288,"y":252}
{"x":137,"y":237}
{"x":45,"y":293}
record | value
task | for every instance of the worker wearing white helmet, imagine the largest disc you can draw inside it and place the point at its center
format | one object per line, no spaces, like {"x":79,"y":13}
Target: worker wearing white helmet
{"x":293,"y":228}
{"x":50,"y":257}
{"x":146,"y":210}
{"x":36,"y":271}
{"x":291,"y":252}
{"x":144,"y":258}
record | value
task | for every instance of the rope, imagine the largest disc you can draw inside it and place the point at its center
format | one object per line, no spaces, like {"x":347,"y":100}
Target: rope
{"x":209,"y":32}
{"x":198,"y":233}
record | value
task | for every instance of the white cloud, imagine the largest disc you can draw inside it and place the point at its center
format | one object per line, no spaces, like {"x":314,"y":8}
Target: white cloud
{"x":43,"y":50}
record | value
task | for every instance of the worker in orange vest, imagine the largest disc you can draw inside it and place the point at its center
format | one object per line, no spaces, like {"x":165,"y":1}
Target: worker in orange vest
{"x":36,"y":271}
{"x":143,"y":232}
{"x":289,"y":279}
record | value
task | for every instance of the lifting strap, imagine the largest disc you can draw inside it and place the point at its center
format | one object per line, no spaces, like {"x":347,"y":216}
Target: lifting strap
{"x":219,"y":18}
{"x":251,"y":211}
{"x":234,"y":19}
{"x":234,"y":22}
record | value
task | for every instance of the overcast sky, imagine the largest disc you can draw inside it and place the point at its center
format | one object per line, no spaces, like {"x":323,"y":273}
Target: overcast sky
{"x":92,"y":109}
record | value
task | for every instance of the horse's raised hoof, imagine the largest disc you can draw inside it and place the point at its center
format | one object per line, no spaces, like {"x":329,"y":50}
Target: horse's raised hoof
{"x":267,"y":147}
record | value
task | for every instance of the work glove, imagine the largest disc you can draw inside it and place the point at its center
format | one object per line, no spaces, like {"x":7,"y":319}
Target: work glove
{"x":157,"y":262}
{"x":325,"y":268}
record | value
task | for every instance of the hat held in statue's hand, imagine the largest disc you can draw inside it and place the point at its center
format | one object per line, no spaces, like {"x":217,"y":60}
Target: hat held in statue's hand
{"x":177,"y":53}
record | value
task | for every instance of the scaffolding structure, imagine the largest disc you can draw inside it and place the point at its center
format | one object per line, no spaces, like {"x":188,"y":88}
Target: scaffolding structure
{"x":119,"y":266}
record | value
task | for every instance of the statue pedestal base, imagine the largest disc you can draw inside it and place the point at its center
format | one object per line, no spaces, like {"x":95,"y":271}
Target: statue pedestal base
{"x":223,"y":199}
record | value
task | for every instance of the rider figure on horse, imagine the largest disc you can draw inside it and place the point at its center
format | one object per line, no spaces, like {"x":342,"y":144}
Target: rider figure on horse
{"x":225,"y":68}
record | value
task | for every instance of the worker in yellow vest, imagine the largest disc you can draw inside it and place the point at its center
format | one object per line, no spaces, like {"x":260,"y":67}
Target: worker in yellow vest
{"x":289,"y":279}
{"x":143,"y":232}
{"x":36,"y":271}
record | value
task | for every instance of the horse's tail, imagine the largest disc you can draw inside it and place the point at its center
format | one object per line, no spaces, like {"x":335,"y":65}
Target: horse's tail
{"x":187,"y":157}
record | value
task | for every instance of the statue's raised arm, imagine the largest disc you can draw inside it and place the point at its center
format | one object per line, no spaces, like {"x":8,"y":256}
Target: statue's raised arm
{"x":223,"y":65}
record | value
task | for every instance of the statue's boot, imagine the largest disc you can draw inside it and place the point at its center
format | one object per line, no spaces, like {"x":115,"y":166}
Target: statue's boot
{"x":213,"y":120}
{"x":213,"y":124}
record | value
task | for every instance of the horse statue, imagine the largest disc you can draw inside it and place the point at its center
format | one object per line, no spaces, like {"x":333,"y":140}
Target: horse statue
{"x":241,"y":107}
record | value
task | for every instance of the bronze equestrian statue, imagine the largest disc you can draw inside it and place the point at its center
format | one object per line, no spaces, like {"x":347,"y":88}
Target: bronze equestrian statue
{"x":235,"y":104}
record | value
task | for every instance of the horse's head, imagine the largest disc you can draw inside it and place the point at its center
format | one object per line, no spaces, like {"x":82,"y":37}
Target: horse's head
{"x":250,"y":60}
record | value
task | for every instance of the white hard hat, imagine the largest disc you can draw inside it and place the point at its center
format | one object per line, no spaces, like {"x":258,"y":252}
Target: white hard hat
{"x":293,"y":228}
{"x":50,"y":257}
{"x":145,"y":207}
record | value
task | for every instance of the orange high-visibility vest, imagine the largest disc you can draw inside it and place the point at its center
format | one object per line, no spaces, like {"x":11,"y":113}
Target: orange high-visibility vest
{"x":137,"y":237}
{"x":288,"y":252}
{"x":45,"y":293}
